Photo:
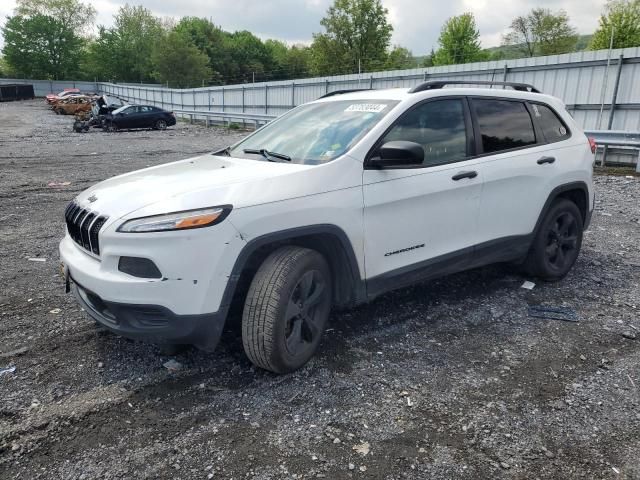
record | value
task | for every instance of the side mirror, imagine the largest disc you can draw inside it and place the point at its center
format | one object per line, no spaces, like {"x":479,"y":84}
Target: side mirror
{"x":398,"y":153}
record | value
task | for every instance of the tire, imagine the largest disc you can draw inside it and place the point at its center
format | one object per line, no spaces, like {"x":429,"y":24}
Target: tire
{"x":280,"y":330}
{"x":557,"y":243}
{"x":160,"y":125}
{"x":111,"y":127}
{"x":59,"y":111}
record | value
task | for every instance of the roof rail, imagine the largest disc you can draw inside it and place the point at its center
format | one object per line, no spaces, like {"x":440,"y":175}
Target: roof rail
{"x":341,"y":92}
{"x":438,"y":84}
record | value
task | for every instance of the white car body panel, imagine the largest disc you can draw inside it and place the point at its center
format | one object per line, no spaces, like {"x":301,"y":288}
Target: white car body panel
{"x":421,"y":208}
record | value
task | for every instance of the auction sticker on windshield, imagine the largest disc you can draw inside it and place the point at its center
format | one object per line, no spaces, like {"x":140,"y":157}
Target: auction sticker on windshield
{"x":366,"y":107}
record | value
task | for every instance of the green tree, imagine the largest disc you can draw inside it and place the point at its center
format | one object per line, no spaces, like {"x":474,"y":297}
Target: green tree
{"x":541,"y":32}
{"x":399,"y":58}
{"x":357,"y":36}
{"x":298,"y":62}
{"x":428,"y":60}
{"x":179,"y":63}
{"x":40,"y":46}
{"x":459,"y":41}
{"x":210,"y":40}
{"x":70,"y":13}
{"x":623,"y":17}
{"x":5,"y":70}
{"x":123,"y":53}
{"x":288,"y":62}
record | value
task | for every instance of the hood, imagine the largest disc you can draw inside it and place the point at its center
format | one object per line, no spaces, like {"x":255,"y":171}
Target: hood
{"x":127,"y":193}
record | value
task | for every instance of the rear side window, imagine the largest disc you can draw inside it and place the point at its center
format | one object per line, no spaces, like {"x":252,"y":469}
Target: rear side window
{"x":438,"y":126}
{"x":553,"y":128}
{"x":503,"y":124}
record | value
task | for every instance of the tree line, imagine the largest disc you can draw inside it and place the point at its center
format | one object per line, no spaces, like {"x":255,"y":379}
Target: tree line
{"x":56,"y":39}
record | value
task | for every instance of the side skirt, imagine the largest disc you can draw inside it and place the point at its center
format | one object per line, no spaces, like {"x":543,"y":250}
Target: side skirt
{"x":495,"y":251}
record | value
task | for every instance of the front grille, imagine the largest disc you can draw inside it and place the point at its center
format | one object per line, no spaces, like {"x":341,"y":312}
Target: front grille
{"x":83,"y":226}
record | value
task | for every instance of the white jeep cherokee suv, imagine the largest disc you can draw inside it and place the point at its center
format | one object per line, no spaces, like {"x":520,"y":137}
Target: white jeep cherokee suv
{"x":332,"y":204}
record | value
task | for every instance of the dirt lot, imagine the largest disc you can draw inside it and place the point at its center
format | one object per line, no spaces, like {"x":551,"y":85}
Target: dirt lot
{"x":448,"y":379}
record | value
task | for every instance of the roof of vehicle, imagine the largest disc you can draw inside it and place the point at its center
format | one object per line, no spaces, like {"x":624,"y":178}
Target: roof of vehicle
{"x":405,"y":94}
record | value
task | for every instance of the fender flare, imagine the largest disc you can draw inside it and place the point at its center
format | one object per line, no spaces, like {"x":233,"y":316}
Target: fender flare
{"x":356,"y":282}
{"x":555,"y":193}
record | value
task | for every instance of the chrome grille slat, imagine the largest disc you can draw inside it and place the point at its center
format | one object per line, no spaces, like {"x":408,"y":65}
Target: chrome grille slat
{"x":84,"y":227}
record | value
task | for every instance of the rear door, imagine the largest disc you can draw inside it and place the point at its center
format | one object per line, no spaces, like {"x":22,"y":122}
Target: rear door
{"x":421,"y":221}
{"x":519,"y":166}
{"x":146,"y":117}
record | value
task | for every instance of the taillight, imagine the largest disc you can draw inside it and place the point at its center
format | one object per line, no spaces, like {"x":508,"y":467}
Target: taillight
{"x":593,"y":145}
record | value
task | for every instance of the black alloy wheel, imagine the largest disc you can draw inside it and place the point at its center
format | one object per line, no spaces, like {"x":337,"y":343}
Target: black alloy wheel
{"x":286,"y":309}
{"x":303,"y":317}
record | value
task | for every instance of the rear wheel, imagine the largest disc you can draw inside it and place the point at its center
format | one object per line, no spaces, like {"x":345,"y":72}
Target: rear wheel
{"x":557,"y":243}
{"x":286,"y":309}
{"x":161,"y":125}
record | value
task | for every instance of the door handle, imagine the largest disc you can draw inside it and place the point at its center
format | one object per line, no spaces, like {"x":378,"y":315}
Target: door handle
{"x":462,"y":175}
{"x":544,"y":160}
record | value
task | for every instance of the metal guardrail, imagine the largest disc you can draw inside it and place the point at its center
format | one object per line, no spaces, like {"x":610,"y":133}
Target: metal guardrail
{"x":227,"y":117}
{"x":615,"y":138}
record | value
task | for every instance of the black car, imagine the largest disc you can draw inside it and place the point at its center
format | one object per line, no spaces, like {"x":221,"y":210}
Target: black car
{"x":138,"y":116}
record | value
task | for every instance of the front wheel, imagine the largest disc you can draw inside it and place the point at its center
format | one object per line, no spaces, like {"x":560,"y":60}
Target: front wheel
{"x":286,"y":309}
{"x":161,"y":125}
{"x":557,"y":243}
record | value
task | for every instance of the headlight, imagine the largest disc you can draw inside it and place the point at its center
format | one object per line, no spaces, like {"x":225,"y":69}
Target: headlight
{"x":203,"y":217}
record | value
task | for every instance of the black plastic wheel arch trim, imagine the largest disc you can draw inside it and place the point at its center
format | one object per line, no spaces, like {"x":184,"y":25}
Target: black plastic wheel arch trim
{"x":556,"y":192}
{"x":357,"y":283}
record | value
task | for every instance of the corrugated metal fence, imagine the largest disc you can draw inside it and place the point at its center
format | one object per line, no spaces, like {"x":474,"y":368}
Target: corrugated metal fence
{"x":43,"y":87}
{"x":582,"y":80}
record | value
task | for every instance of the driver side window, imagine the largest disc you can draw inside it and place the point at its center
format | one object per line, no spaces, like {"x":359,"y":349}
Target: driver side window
{"x":437,"y":126}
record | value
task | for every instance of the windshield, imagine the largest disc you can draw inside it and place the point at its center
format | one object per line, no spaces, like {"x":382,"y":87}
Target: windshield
{"x":118,"y":110}
{"x":315,"y":133}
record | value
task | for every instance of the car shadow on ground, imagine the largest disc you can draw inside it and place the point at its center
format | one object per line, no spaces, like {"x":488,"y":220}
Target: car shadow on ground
{"x":382,"y":318}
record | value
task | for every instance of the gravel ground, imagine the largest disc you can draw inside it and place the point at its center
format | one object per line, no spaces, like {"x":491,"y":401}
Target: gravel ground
{"x":447,"y":379}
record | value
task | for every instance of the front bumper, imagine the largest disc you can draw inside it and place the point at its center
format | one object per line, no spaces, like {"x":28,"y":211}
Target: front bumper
{"x":195,"y":267}
{"x":152,"y":323}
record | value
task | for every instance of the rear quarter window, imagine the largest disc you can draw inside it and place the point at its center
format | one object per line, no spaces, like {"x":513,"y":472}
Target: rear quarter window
{"x":553,"y":128}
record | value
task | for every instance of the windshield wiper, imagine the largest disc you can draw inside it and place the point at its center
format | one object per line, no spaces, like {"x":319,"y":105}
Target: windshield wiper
{"x":267,"y":154}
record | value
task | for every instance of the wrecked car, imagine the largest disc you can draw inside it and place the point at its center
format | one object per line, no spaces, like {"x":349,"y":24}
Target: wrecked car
{"x":138,"y":116}
{"x":53,"y":97}
{"x":100,"y":107}
{"x":73,"y":105}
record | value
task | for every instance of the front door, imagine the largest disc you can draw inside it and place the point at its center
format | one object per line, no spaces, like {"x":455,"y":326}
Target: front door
{"x":422,"y":221}
{"x":129,"y":118}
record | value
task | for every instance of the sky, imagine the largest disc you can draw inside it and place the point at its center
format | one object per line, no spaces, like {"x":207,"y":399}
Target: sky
{"x":416,"y":23}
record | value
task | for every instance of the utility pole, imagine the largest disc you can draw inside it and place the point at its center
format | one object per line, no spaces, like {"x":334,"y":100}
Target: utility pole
{"x":606,"y":79}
